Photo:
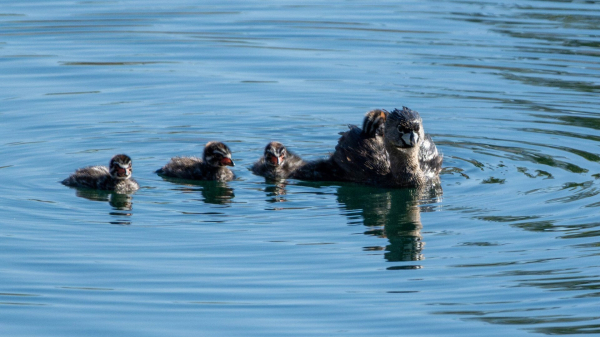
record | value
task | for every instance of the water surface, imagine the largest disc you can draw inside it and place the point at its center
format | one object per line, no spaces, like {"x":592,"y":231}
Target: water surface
{"x":509,"y":91}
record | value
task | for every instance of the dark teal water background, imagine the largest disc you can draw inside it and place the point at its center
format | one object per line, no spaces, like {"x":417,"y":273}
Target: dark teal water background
{"x":509,"y":90}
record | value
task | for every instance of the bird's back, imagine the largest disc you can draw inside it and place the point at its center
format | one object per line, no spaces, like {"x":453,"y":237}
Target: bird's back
{"x":193,"y":168}
{"x":183,"y":168}
{"x":90,"y":177}
{"x":317,"y":170}
{"x":430,"y":158}
{"x":361,"y":157}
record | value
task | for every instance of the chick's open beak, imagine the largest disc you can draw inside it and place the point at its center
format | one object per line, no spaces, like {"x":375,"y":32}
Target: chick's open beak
{"x":121,"y":172}
{"x":227,"y":162}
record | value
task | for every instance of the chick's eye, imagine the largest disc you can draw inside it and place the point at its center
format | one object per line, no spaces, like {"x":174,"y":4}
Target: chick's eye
{"x":417,"y":128}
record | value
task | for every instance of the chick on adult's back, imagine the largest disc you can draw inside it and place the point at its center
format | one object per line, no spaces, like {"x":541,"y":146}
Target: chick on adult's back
{"x":359,"y":156}
{"x":391,"y":150}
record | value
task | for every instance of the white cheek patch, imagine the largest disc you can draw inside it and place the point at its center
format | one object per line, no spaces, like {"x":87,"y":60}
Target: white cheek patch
{"x":209,"y":158}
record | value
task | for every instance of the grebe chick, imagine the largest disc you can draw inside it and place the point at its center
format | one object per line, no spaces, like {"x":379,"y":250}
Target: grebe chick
{"x":374,"y":123}
{"x":117,"y":176}
{"x":359,"y":156}
{"x":212,"y":166}
{"x":277,"y":162}
{"x":360,"y":153}
{"x":414,"y":158}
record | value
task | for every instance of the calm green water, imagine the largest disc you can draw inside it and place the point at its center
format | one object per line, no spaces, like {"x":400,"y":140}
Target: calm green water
{"x":508,"y":89}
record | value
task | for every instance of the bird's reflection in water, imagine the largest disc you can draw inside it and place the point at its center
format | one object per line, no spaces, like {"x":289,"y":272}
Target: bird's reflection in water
{"x":275,"y":190}
{"x":217,"y":192}
{"x":122,"y":204}
{"x":213,"y":192}
{"x":394,"y":214}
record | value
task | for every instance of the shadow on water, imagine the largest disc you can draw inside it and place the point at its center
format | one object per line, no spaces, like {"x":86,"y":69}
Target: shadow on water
{"x":213,"y":192}
{"x":121,"y":203}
